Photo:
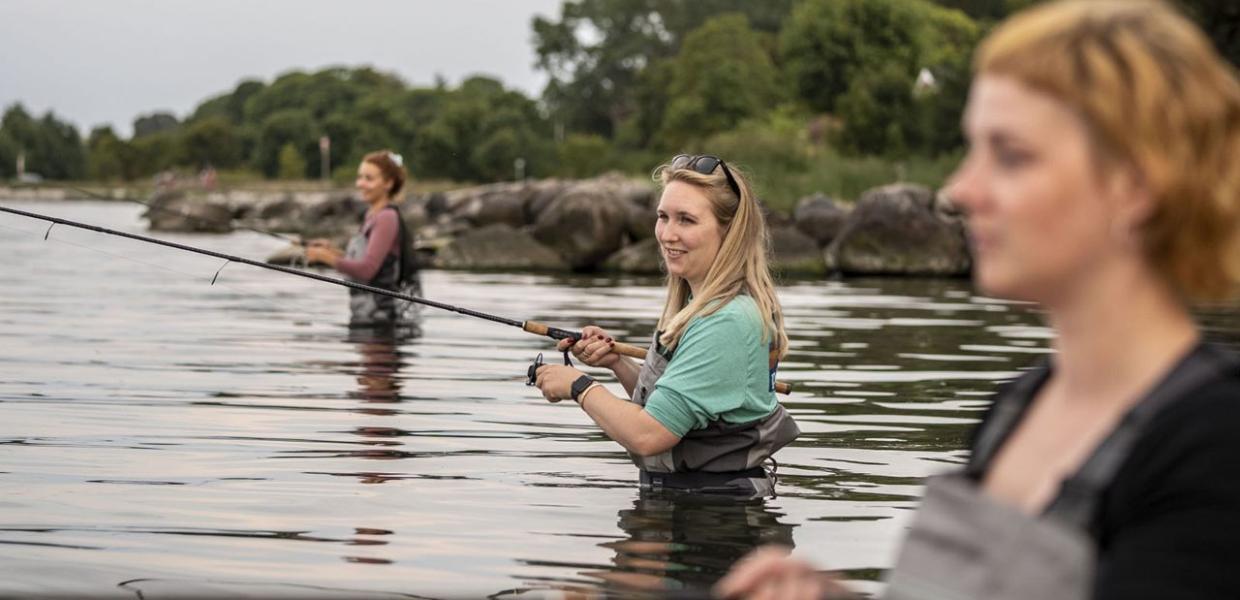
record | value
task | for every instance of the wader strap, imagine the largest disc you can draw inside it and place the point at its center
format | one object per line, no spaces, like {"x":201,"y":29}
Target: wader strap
{"x":1009,"y":407}
{"x":1078,"y":499}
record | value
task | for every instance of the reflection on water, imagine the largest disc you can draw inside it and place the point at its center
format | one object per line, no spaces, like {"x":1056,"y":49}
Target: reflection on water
{"x":162,"y":435}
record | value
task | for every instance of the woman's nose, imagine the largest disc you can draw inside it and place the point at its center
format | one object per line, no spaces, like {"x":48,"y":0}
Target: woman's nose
{"x":962,"y":189}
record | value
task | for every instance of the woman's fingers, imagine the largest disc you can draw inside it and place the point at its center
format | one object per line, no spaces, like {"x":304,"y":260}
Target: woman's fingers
{"x":755,"y":573}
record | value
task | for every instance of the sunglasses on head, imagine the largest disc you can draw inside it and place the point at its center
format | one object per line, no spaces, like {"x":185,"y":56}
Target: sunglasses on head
{"x":705,"y":164}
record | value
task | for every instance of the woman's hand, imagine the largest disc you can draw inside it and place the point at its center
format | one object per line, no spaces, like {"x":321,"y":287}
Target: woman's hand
{"x":595,"y":348}
{"x":556,"y":381}
{"x":322,"y":252}
{"x":769,"y":573}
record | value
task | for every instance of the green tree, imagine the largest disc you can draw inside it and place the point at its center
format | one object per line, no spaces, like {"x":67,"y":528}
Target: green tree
{"x":722,"y":76}
{"x":829,"y":42}
{"x":230,"y":105}
{"x":153,"y":123}
{"x":108,"y":156}
{"x":597,"y":49}
{"x":210,"y":141}
{"x":155,"y":152}
{"x":876,"y":111}
{"x":52,"y":148}
{"x":480,"y":130}
{"x":291,"y":126}
{"x":292,"y":165}
{"x":584,"y":155}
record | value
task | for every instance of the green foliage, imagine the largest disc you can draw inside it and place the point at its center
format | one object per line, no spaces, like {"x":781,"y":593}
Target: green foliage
{"x":828,"y":43}
{"x":480,"y":130}
{"x":156,"y":152}
{"x":584,"y":155}
{"x":291,"y":127}
{"x":210,"y":141}
{"x":722,"y":76}
{"x":108,"y":156}
{"x":52,"y":147}
{"x":292,"y":165}
{"x":876,"y":112}
{"x":156,"y":122}
{"x":596,"y":51}
{"x":861,"y":58}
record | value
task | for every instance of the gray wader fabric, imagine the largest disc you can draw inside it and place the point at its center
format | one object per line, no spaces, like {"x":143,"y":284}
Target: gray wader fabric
{"x":965,"y":546}
{"x":720,"y":458}
{"x":367,"y":309}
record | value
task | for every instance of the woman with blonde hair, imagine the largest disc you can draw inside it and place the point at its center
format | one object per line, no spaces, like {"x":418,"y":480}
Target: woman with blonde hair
{"x":700,"y":413}
{"x":1102,"y":184}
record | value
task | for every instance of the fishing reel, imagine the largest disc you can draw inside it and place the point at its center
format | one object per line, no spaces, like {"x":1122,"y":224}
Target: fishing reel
{"x":532,"y":374}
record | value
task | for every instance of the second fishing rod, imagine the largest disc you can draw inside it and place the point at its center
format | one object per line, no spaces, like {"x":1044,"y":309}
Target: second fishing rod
{"x":534,"y":327}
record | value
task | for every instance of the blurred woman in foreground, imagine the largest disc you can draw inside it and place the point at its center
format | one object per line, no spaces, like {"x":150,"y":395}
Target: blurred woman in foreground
{"x":1102,"y":183}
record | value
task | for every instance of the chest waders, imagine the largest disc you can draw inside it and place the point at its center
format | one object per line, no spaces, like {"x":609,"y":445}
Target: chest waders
{"x":963,"y":545}
{"x":722,"y":458}
{"x":396,"y":274}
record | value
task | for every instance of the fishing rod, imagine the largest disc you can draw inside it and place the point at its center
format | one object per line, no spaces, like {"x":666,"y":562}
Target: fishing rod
{"x":292,"y":240}
{"x":533,"y":327}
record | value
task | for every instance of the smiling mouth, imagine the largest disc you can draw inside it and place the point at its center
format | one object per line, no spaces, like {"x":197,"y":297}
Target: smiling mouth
{"x":670,"y":253}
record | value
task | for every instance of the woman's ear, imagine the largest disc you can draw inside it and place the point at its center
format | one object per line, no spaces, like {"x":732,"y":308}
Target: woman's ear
{"x":1132,"y":197}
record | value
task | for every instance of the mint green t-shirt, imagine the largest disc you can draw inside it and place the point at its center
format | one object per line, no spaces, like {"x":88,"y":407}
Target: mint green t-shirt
{"x":719,"y":371}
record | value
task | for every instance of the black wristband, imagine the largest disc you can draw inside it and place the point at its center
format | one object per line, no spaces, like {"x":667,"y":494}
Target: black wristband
{"x":580,"y":386}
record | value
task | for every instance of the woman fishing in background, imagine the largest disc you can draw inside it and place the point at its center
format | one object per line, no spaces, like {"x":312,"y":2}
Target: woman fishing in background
{"x":381,"y":253}
{"x":700,"y":413}
{"x":1102,"y":184}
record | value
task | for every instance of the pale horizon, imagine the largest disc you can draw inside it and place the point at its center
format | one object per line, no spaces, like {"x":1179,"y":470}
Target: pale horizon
{"x":106,"y":63}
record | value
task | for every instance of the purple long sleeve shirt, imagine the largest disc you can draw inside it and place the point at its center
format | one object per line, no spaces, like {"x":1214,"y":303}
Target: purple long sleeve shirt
{"x":383,"y":229}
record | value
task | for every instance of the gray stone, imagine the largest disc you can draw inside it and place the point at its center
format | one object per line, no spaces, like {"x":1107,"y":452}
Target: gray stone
{"x":640,"y":258}
{"x":498,"y":246}
{"x":499,"y":204}
{"x":820,"y":218}
{"x":335,"y":217}
{"x":586,"y":223}
{"x":175,"y":211}
{"x":900,"y":229}
{"x":794,"y":252}
{"x":640,"y":220}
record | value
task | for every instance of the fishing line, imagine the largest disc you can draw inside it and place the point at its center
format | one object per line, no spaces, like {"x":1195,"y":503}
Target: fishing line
{"x":529,"y":326}
{"x":296,"y":241}
{"x":534,"y":327}
{"x":161,"y":267}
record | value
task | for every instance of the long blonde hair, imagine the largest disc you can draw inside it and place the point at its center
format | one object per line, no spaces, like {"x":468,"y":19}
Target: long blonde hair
{"x":739,"y":267}
{"x":1156,"y":96}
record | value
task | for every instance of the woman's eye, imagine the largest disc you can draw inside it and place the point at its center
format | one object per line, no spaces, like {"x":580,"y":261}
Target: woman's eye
{"x":1011,"y":158}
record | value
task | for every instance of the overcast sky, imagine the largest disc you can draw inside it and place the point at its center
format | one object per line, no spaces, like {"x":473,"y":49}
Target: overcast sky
{"x":97,"y":62}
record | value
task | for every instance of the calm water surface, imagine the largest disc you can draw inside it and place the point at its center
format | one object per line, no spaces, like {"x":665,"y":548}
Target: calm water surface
{"x":162,"y":436}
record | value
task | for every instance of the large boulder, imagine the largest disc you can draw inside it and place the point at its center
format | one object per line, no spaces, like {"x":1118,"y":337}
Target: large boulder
{"x":900,"y":229}
{"x":283,"y":213}
{"x":640,"y":258}
{"x":497,"y":203}
{"x":539,"y":194}
{"x":175,"y":211}
{"x":498,"y":246}
{"x":640,"y":220}
{"x":334,"y":217}
{"x":586,"y":223}
{"x":794,"y":252}
{"x":820,"y":218}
